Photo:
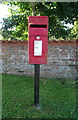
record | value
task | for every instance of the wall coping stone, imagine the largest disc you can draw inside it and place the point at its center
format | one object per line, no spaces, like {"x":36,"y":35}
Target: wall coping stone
{"x":50,"y":41}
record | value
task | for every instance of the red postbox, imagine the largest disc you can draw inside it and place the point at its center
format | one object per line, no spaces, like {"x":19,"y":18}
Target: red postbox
{"x":37,"y":39}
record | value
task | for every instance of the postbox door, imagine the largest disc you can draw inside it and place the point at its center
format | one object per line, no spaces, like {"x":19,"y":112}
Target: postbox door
{"x":38,"y":50}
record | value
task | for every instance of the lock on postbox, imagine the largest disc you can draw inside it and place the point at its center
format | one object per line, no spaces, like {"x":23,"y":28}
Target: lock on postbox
{"x":37,"y":39}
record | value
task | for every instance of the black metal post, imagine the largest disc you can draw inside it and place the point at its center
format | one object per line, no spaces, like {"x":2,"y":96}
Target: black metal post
{"x":36,"y":84}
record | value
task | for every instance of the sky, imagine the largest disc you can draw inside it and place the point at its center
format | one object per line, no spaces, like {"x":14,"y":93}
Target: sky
{"x":3,"y":12}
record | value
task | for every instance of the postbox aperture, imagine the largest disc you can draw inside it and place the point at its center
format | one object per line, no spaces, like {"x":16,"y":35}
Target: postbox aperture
{"x":37,"y":39}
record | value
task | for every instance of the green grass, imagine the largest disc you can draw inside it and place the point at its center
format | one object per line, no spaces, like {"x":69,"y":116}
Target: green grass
{"x":0,"y":96}
{"x":57,"y":100}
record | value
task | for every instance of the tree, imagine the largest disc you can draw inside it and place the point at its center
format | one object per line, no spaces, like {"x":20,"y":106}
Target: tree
{"x":74,"y":31}
{"x":59,"y":13}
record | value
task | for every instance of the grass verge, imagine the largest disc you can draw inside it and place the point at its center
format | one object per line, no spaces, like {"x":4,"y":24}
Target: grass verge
{"x":57,"y":100}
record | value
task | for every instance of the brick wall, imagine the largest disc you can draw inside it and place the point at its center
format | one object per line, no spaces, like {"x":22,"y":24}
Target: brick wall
{"x":62,"y":59}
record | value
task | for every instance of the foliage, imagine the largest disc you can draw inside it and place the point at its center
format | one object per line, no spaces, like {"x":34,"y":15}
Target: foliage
{"x":74,"y":31}
{"x":59,"y":13}
{"x":57,"y":100}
